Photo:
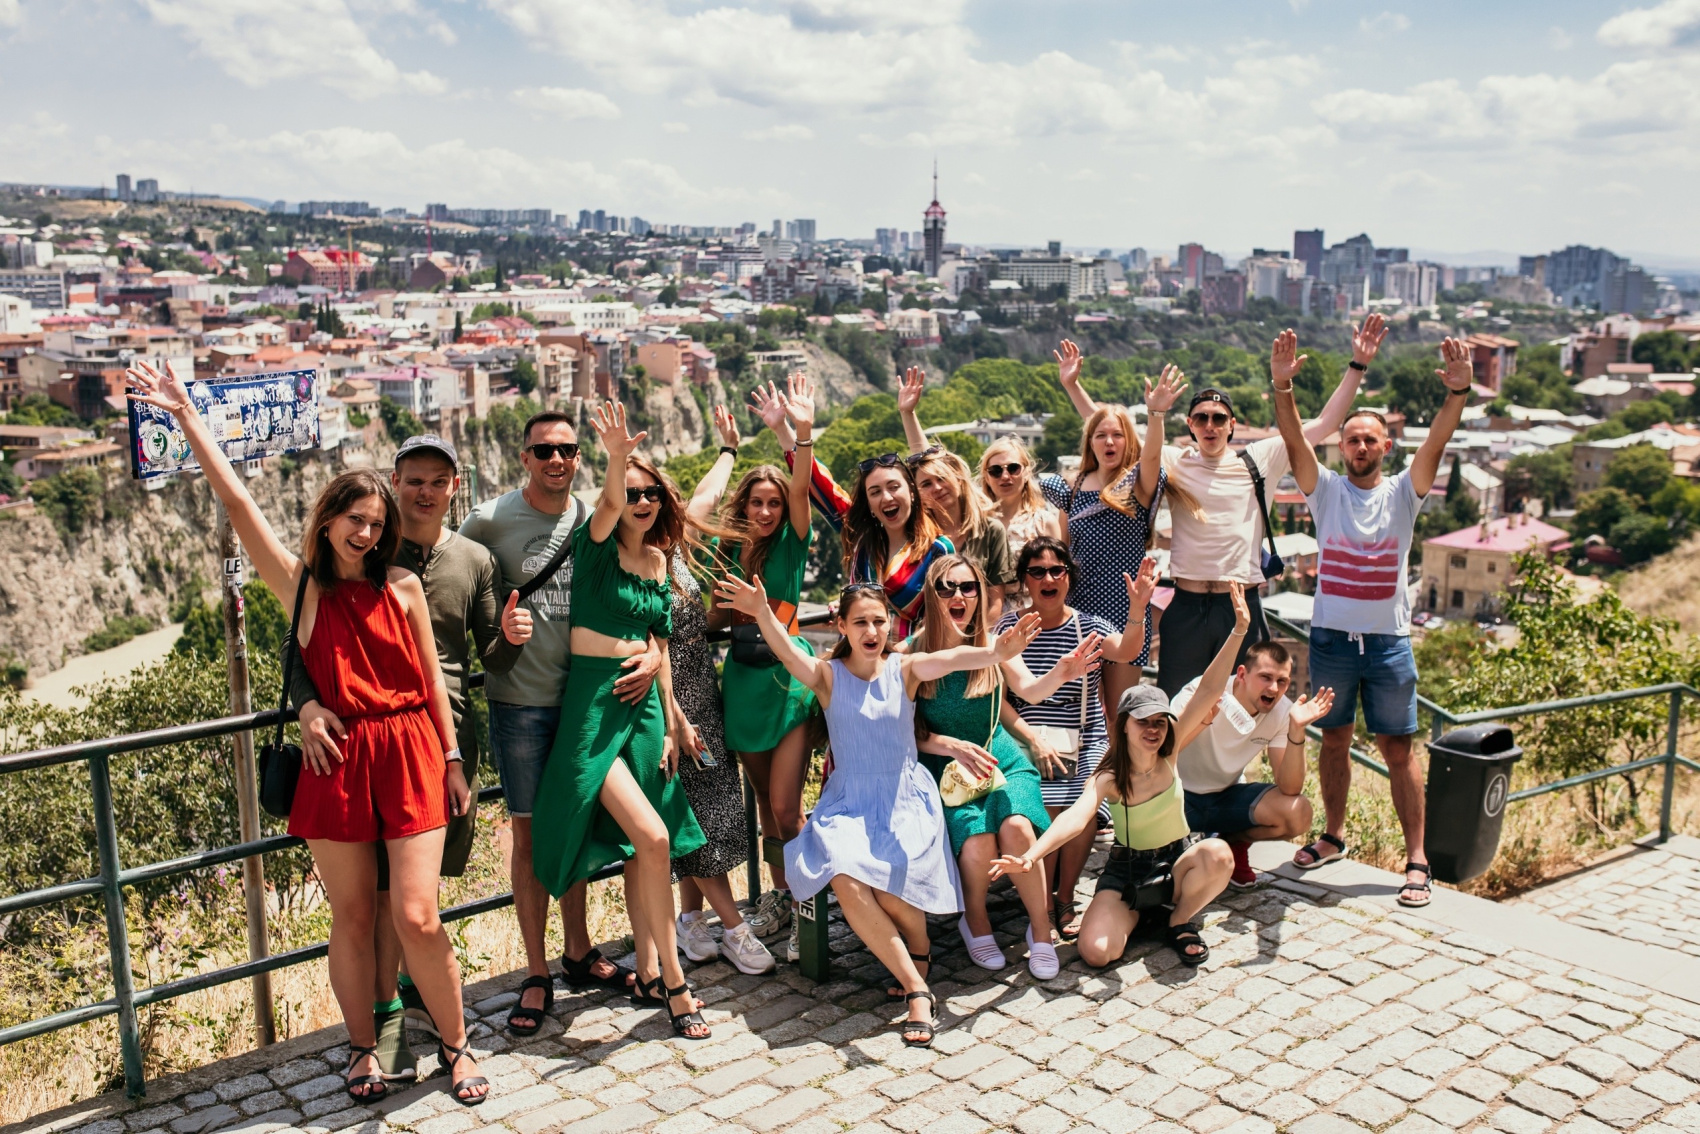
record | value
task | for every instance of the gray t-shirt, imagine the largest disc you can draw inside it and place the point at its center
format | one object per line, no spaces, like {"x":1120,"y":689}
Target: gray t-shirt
{"x":523,"y":540}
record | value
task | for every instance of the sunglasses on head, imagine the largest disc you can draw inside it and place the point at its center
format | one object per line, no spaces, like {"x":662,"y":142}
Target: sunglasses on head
{"x":913,"y":460}
{"x":967,"y":588}
{"x":543,"y":450}
{"x":1038,"y":572}
{"x":997,"y":472}
{"x":1216,"y":419}
{"x":653,"y":494}
{"x":883,"y":461}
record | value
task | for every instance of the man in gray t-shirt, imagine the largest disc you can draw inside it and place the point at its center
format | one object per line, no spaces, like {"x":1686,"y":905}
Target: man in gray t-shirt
{"x":523,"y":529}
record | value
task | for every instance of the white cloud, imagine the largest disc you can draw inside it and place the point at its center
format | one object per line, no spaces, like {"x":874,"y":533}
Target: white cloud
{"x":1560,"y":40}
{"x":11,"y":13}
{"x":568,"y":103}
{"x":262,"y":41}
{"x":1388,"y":23}
{"x":675,"y":128}
{"x":790,"y":132}
{"x":1675,"y":23}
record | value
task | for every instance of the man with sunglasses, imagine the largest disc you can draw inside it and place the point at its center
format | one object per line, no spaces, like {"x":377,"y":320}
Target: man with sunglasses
{"x":523,"y":530}
{"x":1360,"y":631}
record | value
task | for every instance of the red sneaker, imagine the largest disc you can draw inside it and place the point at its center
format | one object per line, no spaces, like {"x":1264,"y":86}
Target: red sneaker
{"x":1243,"y":877}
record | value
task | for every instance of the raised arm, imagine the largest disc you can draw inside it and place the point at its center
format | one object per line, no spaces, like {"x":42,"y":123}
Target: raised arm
{"x":909,"y":389}
{"x":1130,"y":643}
{"x":800,"y":416}
{"x":1072,"y":666}
{"x":1284,"y":363}
{"x":1214,"y":683}
{"x":930,"y":667}
{"x":1081,"y":814}
{"x":1068,"y":373}
{"x":1289,"y":767}
{"x":1458,"y":375}
{"x":1159,"y":400}
{"x":713,"y":484}
{"x":609,"y":421}
{"x":769,"y":405}
{"x":750,"y":598}
{"x":274,"y":562}
{"x":1366,"y":341}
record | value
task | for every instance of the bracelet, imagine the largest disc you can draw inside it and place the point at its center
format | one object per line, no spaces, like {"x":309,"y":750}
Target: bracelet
{"x":452,"y":756}
{"x":1236,"y":632}
{"x":1287,"y":389}
{"x":806,"y":444}
{"x":1464,"y":393}
{"x":1360,"y":367}
{"x":731,"y":450}
{"x":1300,"y":740}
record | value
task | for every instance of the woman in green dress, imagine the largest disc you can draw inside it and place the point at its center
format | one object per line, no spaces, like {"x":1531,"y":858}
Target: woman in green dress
{"x":961,"y":713}
{"x":608,"y":792}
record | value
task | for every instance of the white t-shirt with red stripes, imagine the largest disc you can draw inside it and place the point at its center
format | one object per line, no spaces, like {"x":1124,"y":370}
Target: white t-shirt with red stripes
{"x":1365,"y":541}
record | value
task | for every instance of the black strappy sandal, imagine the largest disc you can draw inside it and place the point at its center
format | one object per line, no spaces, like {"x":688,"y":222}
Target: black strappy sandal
{"x":648,"y":993}
{"x":523,"y":1021}
{"x":683,"y":1021}
{"x":896,"y":992}
{"x":578,"y":976}
{"x":350,"y":1083}
{"x":449,"y":1056}
{"x":1182,"y":937}
{"x":1317,"y":856}
{"x":927,"y":1027}
{"x":1064,"y":934}
{"x":1422,"y":887}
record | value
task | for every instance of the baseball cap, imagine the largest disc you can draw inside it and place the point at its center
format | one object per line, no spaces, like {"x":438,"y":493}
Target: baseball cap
{"x":430,"y":443}
{"x":1143,"y":701}
{"x":1210,"y":394}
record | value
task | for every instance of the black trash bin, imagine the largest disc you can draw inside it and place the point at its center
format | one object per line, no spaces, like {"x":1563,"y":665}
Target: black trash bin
{"x":1469,"y":778}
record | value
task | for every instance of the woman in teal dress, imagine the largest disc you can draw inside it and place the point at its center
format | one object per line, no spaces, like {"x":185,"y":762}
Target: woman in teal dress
{"x":961,"y":713}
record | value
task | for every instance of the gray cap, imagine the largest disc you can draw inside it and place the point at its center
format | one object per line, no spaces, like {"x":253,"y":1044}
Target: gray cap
{"x":431,"y":443}
{"x":1143,"y":701}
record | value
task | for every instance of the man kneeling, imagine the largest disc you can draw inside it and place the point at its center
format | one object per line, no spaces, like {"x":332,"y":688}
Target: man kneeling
{"x":1253,"y":716}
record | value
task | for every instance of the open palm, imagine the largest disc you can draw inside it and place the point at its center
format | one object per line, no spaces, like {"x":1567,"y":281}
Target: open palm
{"x":163,"y":390}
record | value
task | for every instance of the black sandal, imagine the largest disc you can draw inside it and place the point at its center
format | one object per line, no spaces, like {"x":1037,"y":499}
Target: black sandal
{"x":648,"y":993}
{"x":368,"y":1082}
{"x":926,"y":1027}
{"x":578,"y":976}
{"x":1184,"y":936}
{"x":1063,"y":935}
{"x":523,"y":1021}
{"x":682,"y":1021}
{"x":449,"y":1056}
{"x":926,"y":958}
{"x":1422,"y":887}
{"x":1317,"y":858}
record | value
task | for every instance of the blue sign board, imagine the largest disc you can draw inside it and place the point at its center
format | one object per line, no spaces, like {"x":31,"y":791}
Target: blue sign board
{"x":254,"y":416}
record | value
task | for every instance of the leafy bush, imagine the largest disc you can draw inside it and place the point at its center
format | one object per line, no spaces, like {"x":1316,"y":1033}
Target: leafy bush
{"x":72,"y":498}
{"x":118,"y":630}
{"x":265,"y":622}
{"x":399,"y":421}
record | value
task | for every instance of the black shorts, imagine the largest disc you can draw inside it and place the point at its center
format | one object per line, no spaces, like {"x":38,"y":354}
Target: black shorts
{"x":1194,"y":627}
{"x":1127,"y":868}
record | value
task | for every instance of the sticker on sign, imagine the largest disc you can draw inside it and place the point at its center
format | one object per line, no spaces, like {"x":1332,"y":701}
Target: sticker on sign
{"x":255,"y":416}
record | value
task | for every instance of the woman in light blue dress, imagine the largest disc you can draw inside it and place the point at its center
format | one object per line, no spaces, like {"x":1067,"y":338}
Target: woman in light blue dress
{"x":877,"y":836}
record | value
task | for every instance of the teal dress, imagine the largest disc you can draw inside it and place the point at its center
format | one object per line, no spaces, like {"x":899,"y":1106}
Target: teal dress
{"x":976,"y":721}
{"x":763,"y":703}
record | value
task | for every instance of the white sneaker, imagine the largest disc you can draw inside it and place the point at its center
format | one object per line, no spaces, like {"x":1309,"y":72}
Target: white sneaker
{"x":772,"y":914}
{"x":745,"y":950}
{"x":695,"y":940}
{"x":1042,"y":960}
{"x":793,"y":946}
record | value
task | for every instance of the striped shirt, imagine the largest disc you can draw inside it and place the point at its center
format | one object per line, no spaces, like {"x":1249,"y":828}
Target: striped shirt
{"x":1062,"y":709}
{"x":1365,"y":541}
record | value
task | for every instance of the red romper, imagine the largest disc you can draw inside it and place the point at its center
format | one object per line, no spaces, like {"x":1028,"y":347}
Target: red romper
{"x":364,"y":662}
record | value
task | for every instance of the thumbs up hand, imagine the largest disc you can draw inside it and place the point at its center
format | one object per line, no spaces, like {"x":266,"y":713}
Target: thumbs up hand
{"x":516,"y":621}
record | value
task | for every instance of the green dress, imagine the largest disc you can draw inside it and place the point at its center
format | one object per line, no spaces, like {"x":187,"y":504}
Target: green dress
{"x":572,"y":835}
{"x":975,"y":719}
{"x":763,"y":703}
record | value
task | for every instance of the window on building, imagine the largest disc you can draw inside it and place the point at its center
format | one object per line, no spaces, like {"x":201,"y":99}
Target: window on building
{"x":1458,"y":600}
{"x":1493,"y":568}
{"x":1458,"y":562}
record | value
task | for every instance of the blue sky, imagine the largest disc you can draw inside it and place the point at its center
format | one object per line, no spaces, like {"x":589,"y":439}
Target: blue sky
{"x":1447,"y":127}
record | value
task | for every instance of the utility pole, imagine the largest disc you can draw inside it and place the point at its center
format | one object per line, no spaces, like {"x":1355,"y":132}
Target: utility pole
{"x":247,"y":783}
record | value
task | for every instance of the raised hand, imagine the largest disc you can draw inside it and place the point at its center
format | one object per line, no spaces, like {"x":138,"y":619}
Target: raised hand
{"x":1141,"y":587}
{"x":609,"y":421}
{"x":799,"y":399}
{"x":726,"y":427}
{"x":166,"y":391}
{"x":1308,"y":710}
{"x":1081,"y":660}
{"x":1242,"y":613}
{"x":740,"y":595}
{"x":516,"y":621}
{"x":769,"y":405}
{"x":1009,"y":864}
{"x":1017,"y":638}
{"x":909,"y":389}
{"x":1460,"y":372}
{"x":1162,"y":397}
{"x":1285,"y":361}
{"x":1068,"y":362}
{"x":1366,"y":340}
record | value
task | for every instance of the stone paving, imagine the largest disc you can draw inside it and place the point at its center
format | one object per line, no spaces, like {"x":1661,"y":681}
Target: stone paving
{"x":1316,"y":1014}
{"x":1651,"y":894}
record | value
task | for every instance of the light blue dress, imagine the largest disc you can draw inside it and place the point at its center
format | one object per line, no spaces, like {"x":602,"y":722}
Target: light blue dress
{"x":880,"y":819}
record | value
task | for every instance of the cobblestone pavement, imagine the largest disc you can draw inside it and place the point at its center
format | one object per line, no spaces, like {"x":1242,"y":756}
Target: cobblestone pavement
{"x":1315,"y":1015}
{"x":1651,"y":894}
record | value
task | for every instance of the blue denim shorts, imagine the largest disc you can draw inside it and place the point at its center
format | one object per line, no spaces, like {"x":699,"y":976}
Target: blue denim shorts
{"x":1225,"y":812}
{"x":1380,"y":668}
{"x":521,"y":738}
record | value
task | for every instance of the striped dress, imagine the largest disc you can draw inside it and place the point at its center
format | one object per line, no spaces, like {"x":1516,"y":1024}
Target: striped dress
{"x":880,"y":819}
{"x":1063,"y":709}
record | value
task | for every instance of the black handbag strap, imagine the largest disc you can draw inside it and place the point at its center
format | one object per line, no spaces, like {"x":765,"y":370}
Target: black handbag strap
{"x":290,"y":649}
{"x":1262,"y":503}
{"x":562,"y":554}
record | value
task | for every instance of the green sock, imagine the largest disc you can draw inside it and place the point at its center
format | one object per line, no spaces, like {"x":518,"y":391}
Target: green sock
{"x":385,"y":1006}
{"x":404,"y":980}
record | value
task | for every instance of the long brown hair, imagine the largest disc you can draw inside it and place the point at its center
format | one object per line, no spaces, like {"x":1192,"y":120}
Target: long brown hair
{"x":850,"y":595}
{"x":668,"y":531}
{"x":976,"y":515}
{"x":733,"y":527}
{"x":861,"y":529}
{"x":1032,"y":497}
{"x":937,"y":628}
{"x":338,"y":497}
{"x":1119,"y":764}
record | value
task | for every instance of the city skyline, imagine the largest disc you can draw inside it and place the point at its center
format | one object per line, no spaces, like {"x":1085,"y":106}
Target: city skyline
{"x":1097,"y":125}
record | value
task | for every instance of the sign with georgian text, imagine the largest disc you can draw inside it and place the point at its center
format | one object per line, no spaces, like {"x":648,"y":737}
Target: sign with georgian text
{"x":254,"y":416}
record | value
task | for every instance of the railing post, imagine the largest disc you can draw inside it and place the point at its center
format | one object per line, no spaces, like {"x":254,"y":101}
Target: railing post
{"x":1671,"y":727}
{"x":117,"y":931}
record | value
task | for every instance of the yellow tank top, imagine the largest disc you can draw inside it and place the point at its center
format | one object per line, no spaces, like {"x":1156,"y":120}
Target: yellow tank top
{"x":1155,"y":823}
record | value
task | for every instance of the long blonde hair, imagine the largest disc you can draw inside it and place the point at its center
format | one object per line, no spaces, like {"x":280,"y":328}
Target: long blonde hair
{"x":938,"y":631}
{"x":1032,"y":497}
{"x":1125,"y":503}
{"x":975,"y":513}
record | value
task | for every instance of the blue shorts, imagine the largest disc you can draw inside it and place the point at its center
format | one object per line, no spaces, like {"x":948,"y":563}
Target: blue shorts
{"x":1225,"y":812}
{"x":521,"y":738}
{"x":1378,"y":667}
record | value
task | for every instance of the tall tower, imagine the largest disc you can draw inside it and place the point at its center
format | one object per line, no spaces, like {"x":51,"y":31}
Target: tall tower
{"x":932,"y":227}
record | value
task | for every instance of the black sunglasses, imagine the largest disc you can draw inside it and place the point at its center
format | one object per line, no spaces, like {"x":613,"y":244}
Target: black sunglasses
{"x":653,"y":494}
{"x":543,"y":451}
{"x":997,"y":472}
{"x":914,"y":459}
{"x":968,"y":588}
{"x":883,"y":461}
{"x":1038,"y":572}
{"x":1216,"y":419}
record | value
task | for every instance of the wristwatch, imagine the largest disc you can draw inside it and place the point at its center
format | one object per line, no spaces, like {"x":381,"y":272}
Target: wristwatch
{"x":452,"y":756}
{"x":1358,"y":366}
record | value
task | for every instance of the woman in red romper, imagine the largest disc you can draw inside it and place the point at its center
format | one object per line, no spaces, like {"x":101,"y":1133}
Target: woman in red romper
{"x":365,"y":637}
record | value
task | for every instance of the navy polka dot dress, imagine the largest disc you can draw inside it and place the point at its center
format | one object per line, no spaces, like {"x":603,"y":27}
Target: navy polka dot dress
{"x":1105,"y":544}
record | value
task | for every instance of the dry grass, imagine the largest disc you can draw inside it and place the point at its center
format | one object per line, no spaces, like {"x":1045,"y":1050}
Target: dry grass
{"x":1665,"y":587}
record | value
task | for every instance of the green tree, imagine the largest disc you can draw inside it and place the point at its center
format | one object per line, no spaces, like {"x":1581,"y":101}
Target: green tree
{"x":39,"y":409}
{"x":265,"y":622}
{"x":525,"y":375}
{"x":458,"y":328}
{"x":1640,"y":536}
{"x":399,"y":421}
{"x":1414,"y":391}
{"x":1549,"y":477}
{"x":1598,"y":511}
{"x":1670,"y":352}
{"x":1640,"y":470}
{"x":668,"y":296}
{"x":11,"y":484}
{"x":1678,"y":500}
{"x":72,"y":498}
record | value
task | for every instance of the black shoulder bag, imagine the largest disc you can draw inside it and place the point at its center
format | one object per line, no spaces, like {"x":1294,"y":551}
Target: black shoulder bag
{"x":280,"y":763}
{"x":1272,"y":564}
{"x":562,"y":554}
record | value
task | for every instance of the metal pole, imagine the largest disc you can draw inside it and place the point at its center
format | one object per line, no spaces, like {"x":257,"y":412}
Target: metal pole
{"x":247,"y":783}
{"x":117,"y":931}
{"x":1671,"y":727}
{"x":752,"y":865}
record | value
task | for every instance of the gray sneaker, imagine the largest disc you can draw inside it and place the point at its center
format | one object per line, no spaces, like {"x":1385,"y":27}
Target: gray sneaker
{"x":771,"y":915}
{"x":794,"y":946}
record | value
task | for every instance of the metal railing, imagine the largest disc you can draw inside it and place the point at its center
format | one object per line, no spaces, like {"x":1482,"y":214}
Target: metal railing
{"x":109,"y":884}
